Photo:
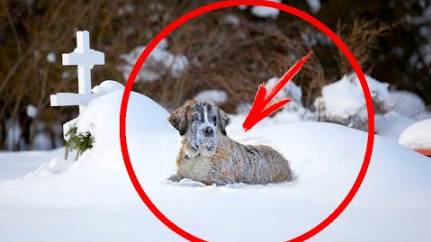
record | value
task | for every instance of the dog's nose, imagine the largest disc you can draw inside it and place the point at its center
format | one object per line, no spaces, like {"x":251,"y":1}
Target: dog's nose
{"x":208,"y":131}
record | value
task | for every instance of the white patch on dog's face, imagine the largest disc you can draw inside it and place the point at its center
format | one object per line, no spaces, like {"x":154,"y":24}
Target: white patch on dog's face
{"x":201,"y":124}
{"x":203,"y":129}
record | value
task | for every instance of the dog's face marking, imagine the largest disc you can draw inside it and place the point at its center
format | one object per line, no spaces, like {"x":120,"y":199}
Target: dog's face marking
{"x":200,"y":123}
{"x":203,"y":127}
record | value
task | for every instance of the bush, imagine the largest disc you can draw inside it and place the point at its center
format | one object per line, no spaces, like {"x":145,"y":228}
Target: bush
{"x":78,"y":142}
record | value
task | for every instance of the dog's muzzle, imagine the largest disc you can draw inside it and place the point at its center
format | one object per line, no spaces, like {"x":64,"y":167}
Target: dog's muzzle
{"x":208,"y":131}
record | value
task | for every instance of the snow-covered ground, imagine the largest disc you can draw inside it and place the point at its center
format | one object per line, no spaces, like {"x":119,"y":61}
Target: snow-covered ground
{"x":17,"y":164}
{"x":92,"y":199}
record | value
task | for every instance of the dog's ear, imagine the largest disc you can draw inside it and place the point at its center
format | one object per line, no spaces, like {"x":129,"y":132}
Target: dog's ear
{"x":224,"y":120}
{"x":178,"y":119}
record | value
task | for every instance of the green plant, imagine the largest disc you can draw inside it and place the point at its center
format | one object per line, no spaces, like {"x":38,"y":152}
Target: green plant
{"x":77,"y":141}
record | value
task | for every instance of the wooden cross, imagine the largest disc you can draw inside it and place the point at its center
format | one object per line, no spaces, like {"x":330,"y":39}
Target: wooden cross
{"x":85,"y":58}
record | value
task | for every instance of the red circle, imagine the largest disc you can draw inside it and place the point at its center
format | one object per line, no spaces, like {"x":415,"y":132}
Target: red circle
{"x":220,"y":5}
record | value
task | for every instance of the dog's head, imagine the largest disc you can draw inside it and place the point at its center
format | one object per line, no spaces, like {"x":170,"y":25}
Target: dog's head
{"x":200,"y":123}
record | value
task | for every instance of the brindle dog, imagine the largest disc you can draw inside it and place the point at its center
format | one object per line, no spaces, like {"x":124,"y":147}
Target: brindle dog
{"x":209,"y":156}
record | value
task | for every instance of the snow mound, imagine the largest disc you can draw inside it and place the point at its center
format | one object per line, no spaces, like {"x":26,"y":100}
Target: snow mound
{"x":159,"y":63}
{"x":106,"y":87}
{"x":417,"y":136}
{"x":215,"y":96}
{"x":94,"y":194}
{"x":101,"y":120}
{"x":345,"y":98}
{"x":343,"y":101}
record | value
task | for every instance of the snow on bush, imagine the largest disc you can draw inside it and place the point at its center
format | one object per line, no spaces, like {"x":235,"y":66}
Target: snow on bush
{"x":215,"y":96}
{"x":265,"y":12}
{"x":406,"y":103}
{"x":243,"y":108}
{"x":13,"y":134}
{"x":31,"y":111}
{"x":159,"y":63}
{"x":343,"y":101}
{"x":294,"y":110}
{"x":290,"y":90}
{"x":232,"y":20}
{"x":417,"y":136}
{"x":50,"y":57}
{"x":314,"y":5}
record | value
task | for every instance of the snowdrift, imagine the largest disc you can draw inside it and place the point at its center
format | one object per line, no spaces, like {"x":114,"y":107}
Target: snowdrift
{"x":92,"y":199}
{"x":417,"y":136}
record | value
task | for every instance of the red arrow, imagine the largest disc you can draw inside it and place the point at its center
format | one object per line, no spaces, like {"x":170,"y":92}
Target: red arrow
{"x":260,"y":108}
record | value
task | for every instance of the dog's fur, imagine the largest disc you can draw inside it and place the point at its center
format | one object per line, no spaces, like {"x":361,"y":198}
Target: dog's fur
{"x":209,"y":156}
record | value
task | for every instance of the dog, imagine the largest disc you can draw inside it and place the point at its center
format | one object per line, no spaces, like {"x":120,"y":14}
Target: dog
{"x":209,"y":156}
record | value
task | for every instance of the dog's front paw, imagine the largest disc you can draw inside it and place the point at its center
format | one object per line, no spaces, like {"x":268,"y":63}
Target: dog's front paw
{"x":175,"y":178}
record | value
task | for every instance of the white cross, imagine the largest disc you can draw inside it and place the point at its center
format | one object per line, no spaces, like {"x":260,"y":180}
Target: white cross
{"x":85,"y":58}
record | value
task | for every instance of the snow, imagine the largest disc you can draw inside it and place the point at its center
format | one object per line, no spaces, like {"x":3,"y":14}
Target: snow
{"x":50,"y":57}
{"x":31,"y":111}
{"x":243,"y":107}
{"x":106,"y":87}
{"x":265,"y":12}
{"x":84,"y":122}
{"x":392,"y":124}
{"x":406,"y":103}
{"x":231,"y":19}
{"x":314,"y":5}
{"x":216,"y":96}
{"x":13,"y":135}
{"x":345,"y":97}
{"x":159,"y":63}
{"x":417,"y":136}
{"x":424,"y":115}
{"x":294,"y":111}
{"x":343,"y":101}
{"x":290,"y":90}
{"x":126,"y":9}
{"x":17,"y":164}
{"x":92,"y":199}
{"x":65,"y":74}
{"x":42,"y":141}
{"x":425,"y":32}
